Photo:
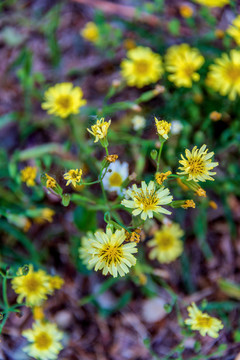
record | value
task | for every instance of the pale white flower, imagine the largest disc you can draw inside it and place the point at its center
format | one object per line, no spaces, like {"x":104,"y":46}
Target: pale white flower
{"x":113,"y":180}
{"x":138,"y":122}
{"x":176,"y":127}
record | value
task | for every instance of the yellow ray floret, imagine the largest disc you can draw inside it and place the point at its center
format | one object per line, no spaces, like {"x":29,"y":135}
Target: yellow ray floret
{"x":109,"y":254}
{"x":28,"y":175}
{"x":44,"y":341}
{"x":147,"y":199}
{"x":166,"y":244}
{"x":163,"y":128}
{"x":204,"y":323}
{"x":234,"y":30}
{"x":63,"y":100}
{"x":197,"y":164}
{"x":213,"y":3}
{"x":224,"y":75}
{"x":90,"y":32}
{"x":100,"y":129}
{"x":143,"y":67}
{"x":182,"y":62}
{"x":73,"y":177}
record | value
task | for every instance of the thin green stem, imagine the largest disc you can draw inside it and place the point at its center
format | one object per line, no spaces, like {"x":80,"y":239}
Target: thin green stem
{"x":4,"y":290}
{"x":106,"y":149}
{"x":159,"y":155}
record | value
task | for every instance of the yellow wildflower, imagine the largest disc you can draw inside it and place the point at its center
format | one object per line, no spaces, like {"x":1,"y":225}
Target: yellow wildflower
{"x":129,"y":44}
{"x":161,"y":177}
{"x":46,"y":215}
{"x":63,"y":100}
{"x":51,"y":182}
{"x":55,"y":282}
{"x":213,"y":3}
{"x":202,"y":322}
{"x":186,"y":10}
{"x":213,"y":205}
{"x":28,"y":175}
{"x":215,"y":116}
{"x":188,"y":204}
{"x":34,"y":286}
{"x":73,"y":176}
{"x":234,"y":30}
{"x":166,"y":244}
{"x":146,"y":200}
{"x":133,"y":236}
{"x":224,"y":75}
{"x":163,"y":128}
{"x":110,"y":255}
{"x":219,"y":33}
{"x":201,"y":192}
{"x":90,"y":32}
{"x":45,"y":341}
{"x":111,"y":158}
{"x":100,"y":129}
{"x":197,"y":164}
{"x":38,"y":313}
{"x":182,"y":62}
{"x":143,"y":67}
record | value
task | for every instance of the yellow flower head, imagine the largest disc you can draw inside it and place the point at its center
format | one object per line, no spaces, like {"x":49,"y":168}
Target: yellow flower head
{"x":146,"y":200}
{"x":161,"y":177}
{"x":38,"y":313}
{"x":201,"y":192}
{"x":163,"y":128}
{"x":166,"y":244}
{"x":63,"y":100}
{"x":182,"y":62}
{"x":51,"y":182}
{"x":109,"y":254}
{"x":213,"y":3}
{"x":45,"y":341}
{"x":213,"y":205}
{"x":234,"y":30}
{"x":143,"y":67}
{"x":55,"y":282}
{"x":186,"y":11}
{"x":73,"y":177}
{"x":215,"y":116}
{"x":34,"y":286}
{"x":133,"y":236}
{"x":204,"y":323}
{"x":100,"y":129}
{"x":224,"y":75}
{"x":111,"y":158}
{"x":189,"y":204}
{"x":90,"y":32}
{"x":46,"y":215}
{"x":28,"y":175}
{"x":197,"y":164}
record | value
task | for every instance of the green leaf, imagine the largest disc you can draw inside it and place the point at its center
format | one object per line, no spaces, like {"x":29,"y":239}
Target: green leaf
{"x":84,"y":219}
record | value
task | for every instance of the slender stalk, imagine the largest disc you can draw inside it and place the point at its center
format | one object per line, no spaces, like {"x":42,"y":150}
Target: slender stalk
{"x":4,"y":290}
{"x":159,"y":155}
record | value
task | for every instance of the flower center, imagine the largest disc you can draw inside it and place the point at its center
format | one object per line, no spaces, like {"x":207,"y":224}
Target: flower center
{"x":43,"y":341}
{"x":165,"y":242}
{"x":32,"y":284}
{"x":196,"y":166}
{"x":233,"y":72}
{"x":141,"y":66}
{"x":204,"y":321}
{"x":146,"y":201}
{"x":111,"y":254}
{"x":115,"y":179}
{"x":64,"y":101}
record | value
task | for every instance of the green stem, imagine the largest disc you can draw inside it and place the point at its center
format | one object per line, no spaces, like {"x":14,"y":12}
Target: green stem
{"x":106,"y":149}
{"x":159,"y":155}
{"x":4,"y":290}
